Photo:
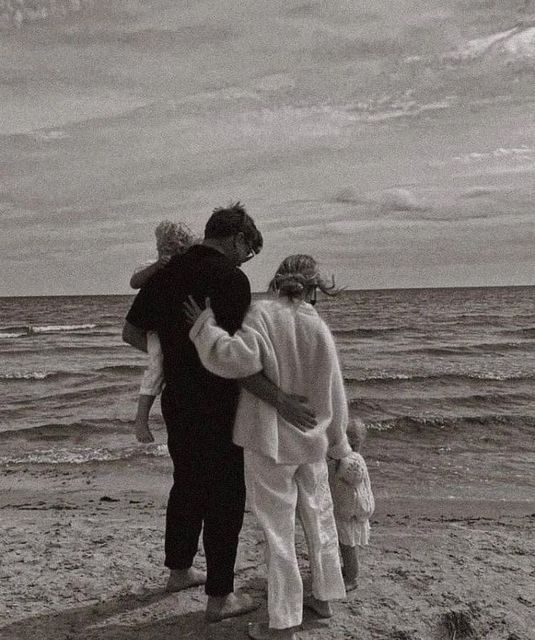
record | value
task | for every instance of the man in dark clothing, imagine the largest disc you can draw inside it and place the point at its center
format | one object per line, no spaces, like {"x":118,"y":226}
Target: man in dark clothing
{"x":199,"y":408}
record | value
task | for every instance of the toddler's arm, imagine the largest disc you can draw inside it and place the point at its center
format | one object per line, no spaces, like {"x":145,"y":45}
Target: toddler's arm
{"x":140,"y":278}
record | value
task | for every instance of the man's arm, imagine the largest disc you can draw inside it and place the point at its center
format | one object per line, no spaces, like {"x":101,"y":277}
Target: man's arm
{"x":294,"y":409}
{"x":134,"y":336}
{"x":227,"y":350}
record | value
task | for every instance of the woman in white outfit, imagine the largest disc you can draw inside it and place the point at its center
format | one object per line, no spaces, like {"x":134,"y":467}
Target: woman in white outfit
{"x":285,"y":468}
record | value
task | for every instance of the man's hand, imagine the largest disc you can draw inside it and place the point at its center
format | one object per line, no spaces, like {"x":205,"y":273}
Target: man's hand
{"x":296,"y":410}
{"x":163,"y":261}
{"x":191,"y":309}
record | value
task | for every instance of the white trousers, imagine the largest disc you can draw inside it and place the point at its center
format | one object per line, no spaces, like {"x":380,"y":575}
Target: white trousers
{"x":152,"y":382}
{"x":274,"y":492}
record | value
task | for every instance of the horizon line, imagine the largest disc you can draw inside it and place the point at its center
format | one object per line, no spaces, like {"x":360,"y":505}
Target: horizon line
{"x":134,"y":292}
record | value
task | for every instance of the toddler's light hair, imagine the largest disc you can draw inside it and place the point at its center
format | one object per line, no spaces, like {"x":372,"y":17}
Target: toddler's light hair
{"x":173,"y":238}
{"x":356,"y":433}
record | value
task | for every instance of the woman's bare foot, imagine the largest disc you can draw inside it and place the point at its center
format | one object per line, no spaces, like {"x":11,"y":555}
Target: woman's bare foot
{"x":180,"y":579}
{"x":261,"y":631}
{"x":321,"y":607}
{"x":234,"y":604}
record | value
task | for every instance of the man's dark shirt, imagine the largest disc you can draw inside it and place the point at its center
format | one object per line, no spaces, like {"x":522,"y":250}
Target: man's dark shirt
{"x":202,"y":272}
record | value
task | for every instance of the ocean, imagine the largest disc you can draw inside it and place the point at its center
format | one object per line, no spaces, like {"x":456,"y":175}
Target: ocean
{"x":416,"y":362}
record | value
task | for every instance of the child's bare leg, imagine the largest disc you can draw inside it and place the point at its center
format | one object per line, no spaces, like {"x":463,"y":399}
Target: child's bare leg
{"x":350,"y":569}
{"x":141,"y":423}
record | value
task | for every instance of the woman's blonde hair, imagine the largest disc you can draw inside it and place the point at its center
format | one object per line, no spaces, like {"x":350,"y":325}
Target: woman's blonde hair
{"x":297,"y":274}
{"x":173,"y":238}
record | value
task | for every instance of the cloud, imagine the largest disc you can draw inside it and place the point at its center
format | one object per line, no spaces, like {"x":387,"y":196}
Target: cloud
{"x":348,"y":195}
{"x":479,"y":192}
{"x":400,"y":200}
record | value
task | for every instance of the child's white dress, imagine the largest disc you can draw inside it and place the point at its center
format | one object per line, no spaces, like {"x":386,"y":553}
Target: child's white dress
{"x":152,"y":381}
{"x":353,"y":499}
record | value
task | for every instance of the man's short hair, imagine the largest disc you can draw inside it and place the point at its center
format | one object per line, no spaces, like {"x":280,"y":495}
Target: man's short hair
{"x":228,"y":221}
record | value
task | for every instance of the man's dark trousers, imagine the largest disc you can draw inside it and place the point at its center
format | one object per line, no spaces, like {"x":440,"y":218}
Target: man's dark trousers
{"x":208,"y":488}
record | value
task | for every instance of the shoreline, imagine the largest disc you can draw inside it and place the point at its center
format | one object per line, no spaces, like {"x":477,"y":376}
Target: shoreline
{"x":83,"y":556}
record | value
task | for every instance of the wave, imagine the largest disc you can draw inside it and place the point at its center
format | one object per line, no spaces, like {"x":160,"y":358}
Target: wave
{"x":54,"y":351}
{"x":27,"y":376}
{"x":57,"y":328}
{"x":379,"y":379}
{"x":469,"y":349}
{"x":527,"y":332}
{"x":433,"y":424}
{"x":82,"y":455}
{"x":64,"y":431}
{"x":376,"y":331}
{"x":30,"y":330}
{"x":122,"y":368}
{"x":26,"y":12}
{"x":514,"y":45}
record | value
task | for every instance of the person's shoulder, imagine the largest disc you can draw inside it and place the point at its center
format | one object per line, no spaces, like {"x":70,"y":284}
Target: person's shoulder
{"x":263,"y":304}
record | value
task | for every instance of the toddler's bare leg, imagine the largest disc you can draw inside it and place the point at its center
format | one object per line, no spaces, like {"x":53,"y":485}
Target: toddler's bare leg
{"x":350,"y":569}
{"x":141,"y":423}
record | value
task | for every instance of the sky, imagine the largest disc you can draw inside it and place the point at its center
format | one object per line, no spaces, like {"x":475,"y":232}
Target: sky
{"x":394,"y":142}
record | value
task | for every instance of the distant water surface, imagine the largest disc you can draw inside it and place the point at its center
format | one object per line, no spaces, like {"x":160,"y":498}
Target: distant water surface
{"x":413,"y":360}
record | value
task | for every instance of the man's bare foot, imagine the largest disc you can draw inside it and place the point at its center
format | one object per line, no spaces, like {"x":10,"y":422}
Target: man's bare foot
{"x":143,"y":433}
{"x":261,"y":631}
{"x":180,"y":579}
{"x":234,"y":604}
{"x":321,"y":607}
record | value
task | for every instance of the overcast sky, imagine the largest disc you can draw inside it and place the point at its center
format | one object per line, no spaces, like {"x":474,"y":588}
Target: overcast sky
{"x":394,"y":141}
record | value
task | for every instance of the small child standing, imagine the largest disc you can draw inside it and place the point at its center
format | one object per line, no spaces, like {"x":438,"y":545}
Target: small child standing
{"x":171,"y":239}
{"x":353,"y":502}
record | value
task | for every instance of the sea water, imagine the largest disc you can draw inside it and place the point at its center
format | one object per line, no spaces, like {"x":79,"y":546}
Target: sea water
{"x":414,"y":360}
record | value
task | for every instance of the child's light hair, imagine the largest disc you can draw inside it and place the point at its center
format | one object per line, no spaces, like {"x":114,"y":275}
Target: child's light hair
{"x":173,"y":238}
{"x":356,"y":433}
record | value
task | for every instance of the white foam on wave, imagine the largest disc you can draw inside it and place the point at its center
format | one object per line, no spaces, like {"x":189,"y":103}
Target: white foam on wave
{"x":49,"y":135}
{"x":62,"y":327}
{"x":516,"y":44}
{"x":522,"y":153}
{"x":23,"y":12}
{"x":4,"y":336}
{"x":82,"y":455}
{"x":25,"y":375}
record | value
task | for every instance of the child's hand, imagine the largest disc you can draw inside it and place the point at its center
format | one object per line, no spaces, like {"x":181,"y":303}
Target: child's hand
{"x":192,"y":311}
{"x":163,"y":261}
{"x":143,"y":434}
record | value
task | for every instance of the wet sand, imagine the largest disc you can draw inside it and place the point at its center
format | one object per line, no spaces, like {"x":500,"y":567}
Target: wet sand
{"x":82,"y":554}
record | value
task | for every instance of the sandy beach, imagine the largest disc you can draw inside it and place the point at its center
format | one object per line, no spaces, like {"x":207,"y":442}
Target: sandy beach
{"x":450,"y":557}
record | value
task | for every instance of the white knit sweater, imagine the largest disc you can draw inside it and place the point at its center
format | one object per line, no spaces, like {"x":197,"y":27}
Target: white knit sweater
{"x":294,"y":348}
